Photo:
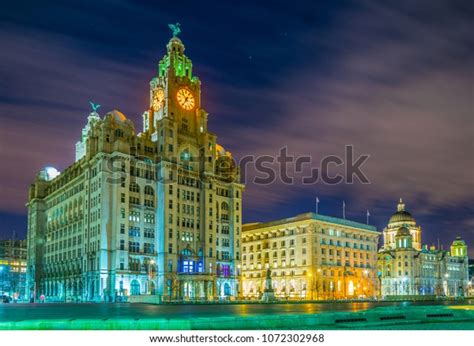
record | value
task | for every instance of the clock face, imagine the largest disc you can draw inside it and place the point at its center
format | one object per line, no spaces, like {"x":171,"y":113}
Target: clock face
{"x":158,"y":98}
{"x":185,"y":99}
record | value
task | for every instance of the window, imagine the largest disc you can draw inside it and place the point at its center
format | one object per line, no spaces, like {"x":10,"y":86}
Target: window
{"x":134,"y":187}
{"x":188,"y":266}
{"x":184,"y":125}
{"x":134,"y":231}
{"x":149,"y":218}
{"x":149,"y":233}
{"x":133,"y":246}
{"x":134,"y":216}
{"x":149,"y":248}
{"x":134,"y":200}
{"x":149,"y":191}
{"x":122,"y":244}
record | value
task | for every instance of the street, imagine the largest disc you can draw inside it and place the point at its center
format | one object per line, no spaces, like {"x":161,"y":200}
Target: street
{"x":19,"y":312}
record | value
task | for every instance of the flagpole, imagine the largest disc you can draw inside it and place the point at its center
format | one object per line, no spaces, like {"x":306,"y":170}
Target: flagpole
{"x":343,"y":209}
{"x":368,"y":214}
{"x":317,"y":205}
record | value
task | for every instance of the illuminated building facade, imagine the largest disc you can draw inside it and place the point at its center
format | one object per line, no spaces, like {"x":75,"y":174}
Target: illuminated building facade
{"x":310,"y":256}
{"x":406,"y":268}
{"x":470,"y":284}
{"x":13,"y":268}
{"x":158,"y":212}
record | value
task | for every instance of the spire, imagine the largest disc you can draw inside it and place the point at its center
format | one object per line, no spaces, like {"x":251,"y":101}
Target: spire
{"x":401,"y":205}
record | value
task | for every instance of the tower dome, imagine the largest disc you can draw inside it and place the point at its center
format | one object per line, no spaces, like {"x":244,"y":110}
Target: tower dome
{"x":459,"y":247}
{"x":401,"y":215}
{"x":48,"y":173}
{"x":118,"y":115}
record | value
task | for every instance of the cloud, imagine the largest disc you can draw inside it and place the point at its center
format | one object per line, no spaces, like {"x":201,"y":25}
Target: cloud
{"x":401,"y":90}
{"x":46,"y":84}
{"x":394,"y":80}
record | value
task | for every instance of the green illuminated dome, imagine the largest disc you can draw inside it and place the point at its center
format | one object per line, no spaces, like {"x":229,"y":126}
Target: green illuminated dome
{"x":459,"y":242}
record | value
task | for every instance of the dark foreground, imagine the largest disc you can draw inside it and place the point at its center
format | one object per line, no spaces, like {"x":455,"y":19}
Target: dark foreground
{"x":340,"y":315}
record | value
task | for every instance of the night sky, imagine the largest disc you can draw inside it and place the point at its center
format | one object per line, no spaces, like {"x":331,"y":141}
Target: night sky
{"x":393,"y":79}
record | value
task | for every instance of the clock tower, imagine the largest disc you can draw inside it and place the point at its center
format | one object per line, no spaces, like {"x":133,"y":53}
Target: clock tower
{"x":198,"y":214}
{"x":175,"y":93}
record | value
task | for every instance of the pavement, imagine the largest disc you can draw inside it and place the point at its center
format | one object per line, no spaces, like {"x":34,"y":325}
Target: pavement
{"x":320,"y":315}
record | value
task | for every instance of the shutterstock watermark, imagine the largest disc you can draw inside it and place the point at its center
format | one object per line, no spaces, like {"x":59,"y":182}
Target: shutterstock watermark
{"x":254,"y":169}
{"x":288,"y":169}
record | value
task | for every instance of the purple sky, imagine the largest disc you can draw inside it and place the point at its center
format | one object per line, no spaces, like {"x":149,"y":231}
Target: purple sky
{"x":396,"y":80}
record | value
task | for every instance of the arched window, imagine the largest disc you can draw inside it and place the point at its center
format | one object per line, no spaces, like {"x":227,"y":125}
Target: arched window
{"x":149,"y":191}
{"x":224,"y":206}
{"x":185,"y":155}
{"x":134,"y":288}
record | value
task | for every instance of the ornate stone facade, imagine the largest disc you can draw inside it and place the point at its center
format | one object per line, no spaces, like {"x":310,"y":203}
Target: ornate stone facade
{"x":310,"y":257}
{"x":406,"y":268}
{"x":158,"y":212}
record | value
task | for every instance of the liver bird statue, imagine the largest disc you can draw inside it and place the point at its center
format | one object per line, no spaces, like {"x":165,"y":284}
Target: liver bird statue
{"x":175,"y":28}
{"x":94,"y":106}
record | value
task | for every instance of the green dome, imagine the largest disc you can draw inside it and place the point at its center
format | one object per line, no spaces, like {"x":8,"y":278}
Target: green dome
{"x":459,"y":242}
